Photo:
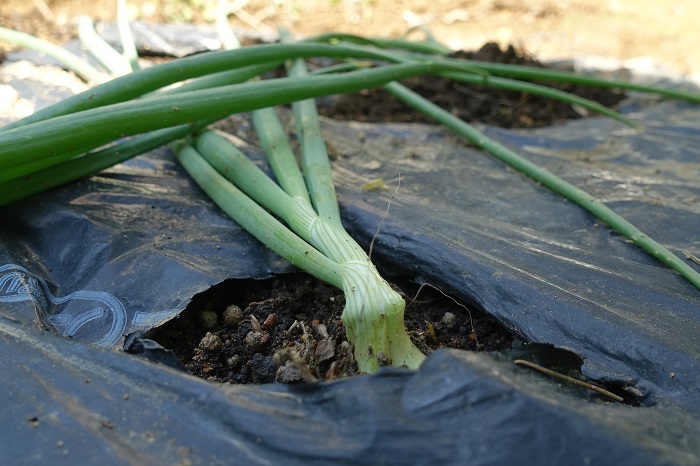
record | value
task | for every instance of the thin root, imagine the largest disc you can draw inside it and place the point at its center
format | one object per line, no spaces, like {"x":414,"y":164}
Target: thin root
{"x":580,"y":383}
{"x":471,"y":321}
{"x":690,"y":256}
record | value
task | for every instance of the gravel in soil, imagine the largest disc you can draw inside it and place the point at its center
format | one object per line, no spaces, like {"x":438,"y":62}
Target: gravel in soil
{"x":232,"y":332}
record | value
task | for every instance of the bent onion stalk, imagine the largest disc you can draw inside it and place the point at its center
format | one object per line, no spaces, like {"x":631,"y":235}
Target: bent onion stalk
{"x":306,"y":201}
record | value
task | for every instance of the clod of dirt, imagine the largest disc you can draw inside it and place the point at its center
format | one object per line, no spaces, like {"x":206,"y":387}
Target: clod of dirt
{"x":256,"y":341}
{"x":449,"y":320}
{"x":289,"y":373}
{"x":233,"y":315}
{"x":211,"y":342}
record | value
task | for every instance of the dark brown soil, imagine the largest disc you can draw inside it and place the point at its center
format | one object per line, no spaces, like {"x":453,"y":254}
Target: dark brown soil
{"x":296,"y":311}
{"x":472,"y":103}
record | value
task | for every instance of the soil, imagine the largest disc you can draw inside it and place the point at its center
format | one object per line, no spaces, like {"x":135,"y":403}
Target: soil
{"x":473,"y":103}
{"x":232,"y":332}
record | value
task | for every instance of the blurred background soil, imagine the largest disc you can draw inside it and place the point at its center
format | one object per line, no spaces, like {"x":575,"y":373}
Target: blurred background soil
{"x":664,"y":32}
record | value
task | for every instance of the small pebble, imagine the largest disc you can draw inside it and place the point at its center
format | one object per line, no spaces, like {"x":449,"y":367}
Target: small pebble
{"x":289,"y":373}
{"x":256,"y":340}
{"x":270,"y":322}
{"x":325,"y":349}
{"x":449,"y":320}
{"x":211,"y":342}
{"x":233,"y":316}
{"x":322,"y":330}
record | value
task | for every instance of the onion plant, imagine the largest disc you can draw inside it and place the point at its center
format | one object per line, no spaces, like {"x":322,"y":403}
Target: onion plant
{"x":297,"y":215}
